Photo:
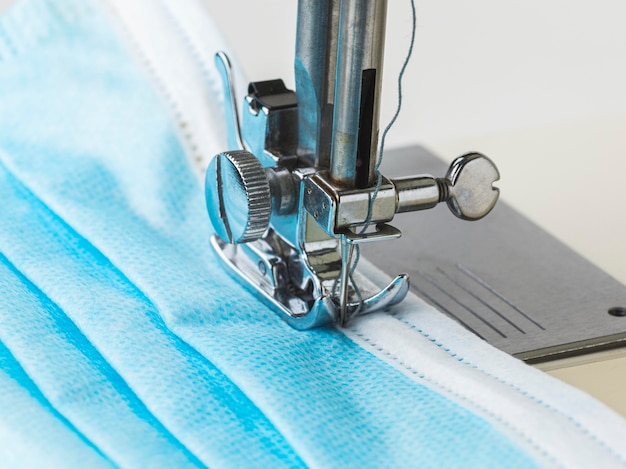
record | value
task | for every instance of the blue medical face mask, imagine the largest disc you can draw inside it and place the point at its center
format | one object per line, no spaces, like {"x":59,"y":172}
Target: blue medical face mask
{"x":123,"y":342}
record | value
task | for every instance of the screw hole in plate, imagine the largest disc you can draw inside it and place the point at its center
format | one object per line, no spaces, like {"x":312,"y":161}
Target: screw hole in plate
{"x":618,"y":311}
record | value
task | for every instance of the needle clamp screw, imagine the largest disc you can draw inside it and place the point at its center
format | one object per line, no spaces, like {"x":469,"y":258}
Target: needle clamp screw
{"x":238,"y":197}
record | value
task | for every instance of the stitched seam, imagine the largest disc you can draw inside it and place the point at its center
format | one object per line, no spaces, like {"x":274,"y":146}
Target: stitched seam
{"x":373,"y":344}
{"x":513,"y":386}
{"x":200,"y":62}
{"x":157,"y":79}
{"x":189,"y":135}
{"x":195,"y":53}
{"x":191,"y":138}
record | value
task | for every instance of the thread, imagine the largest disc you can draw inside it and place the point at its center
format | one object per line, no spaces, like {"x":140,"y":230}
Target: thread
{"x":379,"y":160}
{"x":393,"y":120}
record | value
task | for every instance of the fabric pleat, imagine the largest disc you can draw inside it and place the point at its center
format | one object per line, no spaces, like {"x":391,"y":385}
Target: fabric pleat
{"x":122,"y":335}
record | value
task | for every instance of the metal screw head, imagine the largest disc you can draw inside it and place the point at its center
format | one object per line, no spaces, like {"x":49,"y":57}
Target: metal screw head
{"x":238,"y":197}
{"x":470,"y":179}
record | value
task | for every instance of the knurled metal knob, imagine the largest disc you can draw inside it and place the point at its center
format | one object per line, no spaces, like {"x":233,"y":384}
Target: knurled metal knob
{"x":238,"y":196}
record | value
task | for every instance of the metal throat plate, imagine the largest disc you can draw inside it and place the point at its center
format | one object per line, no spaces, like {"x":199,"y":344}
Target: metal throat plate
{"x":503,"y":277}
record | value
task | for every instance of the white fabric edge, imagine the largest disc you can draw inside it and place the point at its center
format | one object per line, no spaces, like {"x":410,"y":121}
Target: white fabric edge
{"x":560,"y":425}
{"x":193,"y":93}
{"x":557,"y":424}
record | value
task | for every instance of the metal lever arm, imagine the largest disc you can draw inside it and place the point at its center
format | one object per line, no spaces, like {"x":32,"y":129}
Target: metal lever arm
{"x":233,"y":127}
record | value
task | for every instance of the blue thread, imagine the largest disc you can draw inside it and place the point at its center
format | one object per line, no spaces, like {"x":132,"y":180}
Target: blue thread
{"x":379,"y":161}
{"x":393,"y":120}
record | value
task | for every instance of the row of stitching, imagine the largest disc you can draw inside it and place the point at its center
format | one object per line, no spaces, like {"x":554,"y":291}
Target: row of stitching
{"x":200,"y":163}
{"x":193,"y":48}
{"x":594,"y":438}
{"x":160,"y":83}
{"x":198,"y":158}
{"x":203,"y":66}
{"x":178,"y":115}
{"x":376,"y":346}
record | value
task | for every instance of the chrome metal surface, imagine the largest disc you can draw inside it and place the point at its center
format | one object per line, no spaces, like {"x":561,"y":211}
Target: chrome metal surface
{"x":270,"y":123}
{"x":467,"y":188}
{"x":284,"y":190}
{"x":300,"y":308}
{"x":382,"y":232}
{"x":347,"y":251}
{"x":237,"y":194}
{"x":303,"y":297}
{"x":471,"y":192}
{"x":315,"y":72}
{"x":357,"y":92}
{"x":416,"y":193}
{"x":335,"y":207}
{"x":389,"y":296}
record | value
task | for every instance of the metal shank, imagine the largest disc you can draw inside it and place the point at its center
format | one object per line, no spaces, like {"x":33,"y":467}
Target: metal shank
{"x":315,"y":67}
{"x":357,"y":92}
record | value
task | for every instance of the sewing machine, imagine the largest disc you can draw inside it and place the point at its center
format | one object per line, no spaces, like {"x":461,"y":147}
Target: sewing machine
{"x":503,"y":277}
{"x":301,"y":193}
